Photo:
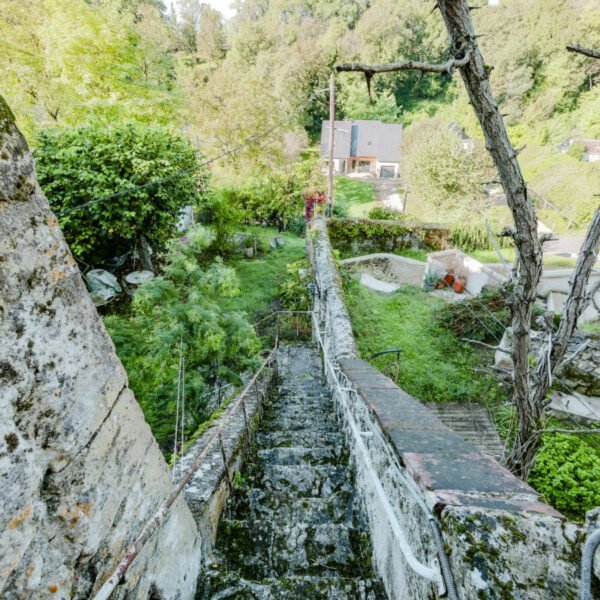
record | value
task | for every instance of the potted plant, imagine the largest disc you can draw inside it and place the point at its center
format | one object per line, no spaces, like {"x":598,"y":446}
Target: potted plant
{"x":448,"y":279}
{"x":430,"y":281}
{"x":459,"y":284}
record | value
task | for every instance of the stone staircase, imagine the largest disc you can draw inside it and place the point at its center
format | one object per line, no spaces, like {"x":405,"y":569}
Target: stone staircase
{"x":473,"y":423}
{"x":293,"y":528}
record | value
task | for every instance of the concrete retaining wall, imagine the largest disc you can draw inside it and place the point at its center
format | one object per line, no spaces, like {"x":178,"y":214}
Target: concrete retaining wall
{"x":502,"y":540}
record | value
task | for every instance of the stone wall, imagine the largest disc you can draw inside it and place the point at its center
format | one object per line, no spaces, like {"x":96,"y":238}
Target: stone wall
{"x":501,"y":539}
{"x":80,"y":470}
{"x":353,"y":237}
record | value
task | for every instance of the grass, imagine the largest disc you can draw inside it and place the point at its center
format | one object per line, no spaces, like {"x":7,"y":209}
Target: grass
{"x":434,"y":365}
{"x":356,"y":195}
{"x":550,"y":260}
{"x":261,"y":277}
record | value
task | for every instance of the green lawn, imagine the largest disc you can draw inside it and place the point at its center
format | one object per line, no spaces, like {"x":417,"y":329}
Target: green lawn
{"x":358,"y":196}
{"x":435,"y":366}
{"x":261,"y":277}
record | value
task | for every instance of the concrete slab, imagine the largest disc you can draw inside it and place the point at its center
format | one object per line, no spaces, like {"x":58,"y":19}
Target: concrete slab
{"x":585,"y":407}
{"x":377,"y":284}
{"x":463,"y":472}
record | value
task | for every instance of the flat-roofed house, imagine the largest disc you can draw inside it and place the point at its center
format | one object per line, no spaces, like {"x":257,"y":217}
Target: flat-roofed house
{"x":364,"y":147}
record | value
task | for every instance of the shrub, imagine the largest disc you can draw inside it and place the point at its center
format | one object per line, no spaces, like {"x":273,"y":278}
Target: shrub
{"x":386,"y":214}
{"x":81,"y":164}
{"x":567,"y":473}
{"x":223,"y":213}
{"x":294,"y":292}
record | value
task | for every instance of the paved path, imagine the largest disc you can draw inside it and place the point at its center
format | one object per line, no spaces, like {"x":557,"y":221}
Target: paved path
{"x":390,"y":192}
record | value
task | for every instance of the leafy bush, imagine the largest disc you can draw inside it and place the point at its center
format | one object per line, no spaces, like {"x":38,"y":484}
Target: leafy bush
{"x":297,"y":225}
{"x":277,"y":199}
{"x":224,"y":214}
{"x":294,"y":292}
{"x":81,"y":164}
{"x":567,"y":473}
{"x":386,"y":214}
{"x":183,"y":306}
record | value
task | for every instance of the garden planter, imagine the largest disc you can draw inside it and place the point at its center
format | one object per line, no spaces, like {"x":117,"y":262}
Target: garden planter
{"x":448,"y":279}
{"x":459,"y":285}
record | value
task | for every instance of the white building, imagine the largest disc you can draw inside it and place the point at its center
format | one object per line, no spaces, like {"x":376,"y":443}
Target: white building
{"x":364,"y":147}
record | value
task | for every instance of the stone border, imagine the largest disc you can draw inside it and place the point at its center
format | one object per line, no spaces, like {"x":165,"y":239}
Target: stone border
{"x":502,"y":540}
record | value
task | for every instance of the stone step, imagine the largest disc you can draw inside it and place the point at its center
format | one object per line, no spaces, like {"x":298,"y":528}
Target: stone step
{"x":302,"y":437}
{"x":312,"y":420}
{"x":302,"y":548}
{"x":303,"y":481}
{"x":473,"y":423}
{"x":293,"y":588}
{"x":259,"y":504}
{"x":296,"y":455}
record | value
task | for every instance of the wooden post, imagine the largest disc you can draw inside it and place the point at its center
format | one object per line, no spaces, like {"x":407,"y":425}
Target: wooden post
{"x":331,"y":141}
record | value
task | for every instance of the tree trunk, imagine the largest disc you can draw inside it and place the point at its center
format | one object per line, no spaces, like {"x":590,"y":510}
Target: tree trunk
{"x":457,"y":17}
{"x":145,"y":254}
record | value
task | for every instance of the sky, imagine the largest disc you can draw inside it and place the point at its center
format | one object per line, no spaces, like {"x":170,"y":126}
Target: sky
{"x":223,"y":6}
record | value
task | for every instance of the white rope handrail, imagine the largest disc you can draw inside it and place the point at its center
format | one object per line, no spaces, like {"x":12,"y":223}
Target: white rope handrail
{"x":429,"y":573}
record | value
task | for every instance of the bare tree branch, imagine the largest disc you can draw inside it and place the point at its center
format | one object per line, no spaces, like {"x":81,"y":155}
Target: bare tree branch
{"x":585,"y":51}
{"x":409,"y":65}
{"x":498,"y":348}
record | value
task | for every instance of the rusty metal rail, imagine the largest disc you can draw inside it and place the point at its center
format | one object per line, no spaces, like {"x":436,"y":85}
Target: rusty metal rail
{"x":162,"y":511}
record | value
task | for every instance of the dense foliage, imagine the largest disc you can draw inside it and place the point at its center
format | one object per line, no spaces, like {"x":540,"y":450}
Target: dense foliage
{"x":183,"y":308}
{"x":567,"y":473}
{"x":81,"y":164}
{"x":434,"y":365}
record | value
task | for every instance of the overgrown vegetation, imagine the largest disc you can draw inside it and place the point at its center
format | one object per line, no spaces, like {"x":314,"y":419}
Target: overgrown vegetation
{"x":567,"y":473}
{"x":361,"y":236}
{"x":184,"y":310}
{"x":434,"y":365}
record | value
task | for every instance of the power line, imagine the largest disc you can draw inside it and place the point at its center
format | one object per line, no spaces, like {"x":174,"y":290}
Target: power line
{"x":251,"y":139}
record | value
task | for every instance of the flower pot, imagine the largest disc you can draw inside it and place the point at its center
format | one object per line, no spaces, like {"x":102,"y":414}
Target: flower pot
{"x":459,"y":285}
{"x":448,"y":279}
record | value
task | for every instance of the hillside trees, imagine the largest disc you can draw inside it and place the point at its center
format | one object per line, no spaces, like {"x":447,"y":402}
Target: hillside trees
{"x":64,"y":61}
{"x":82,"y":164}
{"x":443,"y":174}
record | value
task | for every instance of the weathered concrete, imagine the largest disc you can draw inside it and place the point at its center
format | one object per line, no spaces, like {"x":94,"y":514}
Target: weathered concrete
{"x":389,"y":267}
{"x":476,"y":273}
{"x":211,"y":485}
{"x":502,"y":540}
{"x":330,"y":303}
{"x":79,"y":467}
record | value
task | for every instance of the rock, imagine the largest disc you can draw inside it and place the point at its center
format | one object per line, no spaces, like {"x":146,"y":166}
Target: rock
{"x":249,"y":252}
{"x":138,"y":277}
{"x":80,"y":469}
{"x":273,"y":243}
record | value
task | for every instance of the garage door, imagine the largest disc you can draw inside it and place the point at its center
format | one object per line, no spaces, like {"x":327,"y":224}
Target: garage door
{"x":388,"y":172}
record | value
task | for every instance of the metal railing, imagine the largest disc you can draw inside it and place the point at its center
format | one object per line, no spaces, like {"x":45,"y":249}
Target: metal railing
{"x":155,"y":521}
{"x":587,"y":564}
{"x":439,"y":573}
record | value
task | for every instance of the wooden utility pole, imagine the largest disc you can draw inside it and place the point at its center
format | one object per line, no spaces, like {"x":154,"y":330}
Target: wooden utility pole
{"x":331,"y":130}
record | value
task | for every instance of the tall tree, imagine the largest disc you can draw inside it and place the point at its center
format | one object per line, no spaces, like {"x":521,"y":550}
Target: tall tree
{"x":530,"y":383}
{"x":210,"y":38}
